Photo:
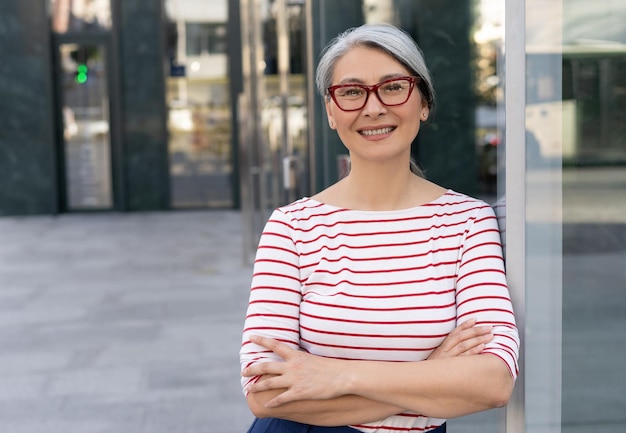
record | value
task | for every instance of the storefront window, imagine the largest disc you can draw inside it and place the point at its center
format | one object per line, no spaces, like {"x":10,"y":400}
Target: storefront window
{"x":86,"y":126}
{"x":198,"y":103}
{"x":576,"y":216}
{"x":594,"y":216}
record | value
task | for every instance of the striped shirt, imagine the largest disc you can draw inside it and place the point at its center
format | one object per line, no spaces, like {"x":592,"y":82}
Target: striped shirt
{"x":379,"y":285}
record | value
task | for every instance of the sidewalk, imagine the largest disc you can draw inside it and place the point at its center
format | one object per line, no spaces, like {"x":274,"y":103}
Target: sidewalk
{"x":122,"y":323}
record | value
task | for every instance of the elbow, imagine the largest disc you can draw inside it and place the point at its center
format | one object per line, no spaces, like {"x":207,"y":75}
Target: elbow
{"x":502,"y":394}
{"x":500,"y":382}
{"x":257,"y":407}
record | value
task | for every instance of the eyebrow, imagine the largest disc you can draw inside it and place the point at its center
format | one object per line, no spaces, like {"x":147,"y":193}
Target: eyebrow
{"x":351,"y":80}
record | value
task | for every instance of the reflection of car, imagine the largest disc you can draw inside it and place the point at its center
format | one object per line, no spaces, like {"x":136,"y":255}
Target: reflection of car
{"x":488,"y":163}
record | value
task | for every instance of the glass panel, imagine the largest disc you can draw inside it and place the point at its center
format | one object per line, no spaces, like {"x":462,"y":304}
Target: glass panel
{"x":488,"y":38}
{"x":545,"y":116}
{"x":84,"y":86}
{"x":284,"y":114}
{"x":80,"y":15}
{"x":273,"y":123}
{"x":594,"y":217}
{"x":198,"y":102}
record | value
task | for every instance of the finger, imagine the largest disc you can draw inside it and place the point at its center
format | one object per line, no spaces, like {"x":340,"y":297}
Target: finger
{"x":467,"y":339}
{"x":286,"y":397}
{"x":267,"y":384}
{"x":281,"y":349}
{"x":476,"y":350}
{"x":470,"y":333}
{"x":469,"y":323}
{"x":462,"y":332}
{"x":263,"y":368}
{"x":459,"y":333}
{"x":475,"y":345}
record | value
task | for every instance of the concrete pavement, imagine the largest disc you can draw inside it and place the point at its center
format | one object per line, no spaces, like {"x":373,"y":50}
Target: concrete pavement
{"x":122,"y":323}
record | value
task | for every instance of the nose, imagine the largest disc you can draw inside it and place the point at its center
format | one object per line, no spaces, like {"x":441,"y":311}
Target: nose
{"x":374,"y":106}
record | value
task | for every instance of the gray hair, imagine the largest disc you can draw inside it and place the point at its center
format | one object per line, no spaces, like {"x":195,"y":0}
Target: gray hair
{"x":385,"y":37}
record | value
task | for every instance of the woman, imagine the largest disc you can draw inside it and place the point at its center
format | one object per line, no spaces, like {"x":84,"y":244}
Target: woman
{"x":383,"y":266}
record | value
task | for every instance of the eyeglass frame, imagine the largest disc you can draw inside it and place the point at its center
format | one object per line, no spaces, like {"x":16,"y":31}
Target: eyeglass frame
{"x":374,"y":89}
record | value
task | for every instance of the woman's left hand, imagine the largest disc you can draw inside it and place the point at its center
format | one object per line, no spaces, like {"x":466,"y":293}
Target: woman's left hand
{"x":304,"y":376}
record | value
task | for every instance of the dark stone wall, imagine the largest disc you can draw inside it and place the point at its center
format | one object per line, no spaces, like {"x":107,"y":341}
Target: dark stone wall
{"x":446,"y":145}
{"x":143,"y":110}
{"x":28,"y":178}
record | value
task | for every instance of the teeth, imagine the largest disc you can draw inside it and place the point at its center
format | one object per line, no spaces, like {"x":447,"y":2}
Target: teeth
{"x":371,"y":132}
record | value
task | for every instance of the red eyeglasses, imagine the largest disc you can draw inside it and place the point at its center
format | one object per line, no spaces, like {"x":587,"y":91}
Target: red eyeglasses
{"x":391,"y":92}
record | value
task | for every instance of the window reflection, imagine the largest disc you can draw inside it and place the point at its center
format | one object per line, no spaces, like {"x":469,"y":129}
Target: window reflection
{"x":198,"y":103}
{"x":80,"y":15}
{"x":594,"y":216}
{"x":86,"y":134}
{"x":284,"y":119}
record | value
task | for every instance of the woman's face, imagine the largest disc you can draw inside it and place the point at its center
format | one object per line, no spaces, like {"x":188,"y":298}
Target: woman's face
{"x":376,"y":132}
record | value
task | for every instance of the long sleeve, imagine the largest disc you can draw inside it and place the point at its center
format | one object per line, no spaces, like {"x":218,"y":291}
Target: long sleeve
{"x":275,"y":295}
{"x":482,"y":291}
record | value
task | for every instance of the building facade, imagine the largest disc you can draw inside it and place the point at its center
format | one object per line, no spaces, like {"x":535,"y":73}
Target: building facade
{"x":144,"y":105}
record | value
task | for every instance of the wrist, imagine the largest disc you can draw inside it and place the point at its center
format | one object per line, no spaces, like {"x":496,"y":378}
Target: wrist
{"x":350,"y":378}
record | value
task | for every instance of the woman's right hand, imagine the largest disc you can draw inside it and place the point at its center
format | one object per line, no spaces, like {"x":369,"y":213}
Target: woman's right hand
{"x":465,"y":339}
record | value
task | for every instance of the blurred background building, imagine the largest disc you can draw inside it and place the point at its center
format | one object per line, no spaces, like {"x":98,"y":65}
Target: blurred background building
{"x":145,"y":105}
{"x":169,"y":104}
{"x":141,"y":105}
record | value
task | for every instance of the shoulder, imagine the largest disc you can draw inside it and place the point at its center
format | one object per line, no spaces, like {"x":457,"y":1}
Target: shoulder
{"x":461,"y":206}
{"x":305,"y":212}
{"x":305,"y":207}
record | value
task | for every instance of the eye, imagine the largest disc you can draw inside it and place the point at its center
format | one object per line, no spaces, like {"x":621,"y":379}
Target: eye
{"x":350,"y":92}
{"x":394,"y":87}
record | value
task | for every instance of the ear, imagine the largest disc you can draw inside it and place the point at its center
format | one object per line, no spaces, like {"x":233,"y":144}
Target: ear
{"x":331,"y":120}
{"x":424,"y":112}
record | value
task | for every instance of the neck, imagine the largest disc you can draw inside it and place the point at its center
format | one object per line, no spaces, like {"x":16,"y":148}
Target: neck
{"x":380,"y":188}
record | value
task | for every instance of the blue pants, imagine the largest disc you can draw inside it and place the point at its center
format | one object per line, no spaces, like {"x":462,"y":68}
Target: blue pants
{"x":275,"y":425}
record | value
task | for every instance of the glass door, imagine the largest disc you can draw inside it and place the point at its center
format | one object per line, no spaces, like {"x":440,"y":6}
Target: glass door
{"x":82,"y":32}
{"x":84,"y":96}
{"x":198,"y":104}
{"x":273,"y":112}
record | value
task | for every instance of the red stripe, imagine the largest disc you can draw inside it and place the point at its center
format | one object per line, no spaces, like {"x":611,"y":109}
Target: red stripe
{"x":409,"y":308}
{"x":399,"y":295}
{"x":377,"y":271}
{"x":370,"y":349}
{"x":377,"y":322}
{"x":365,"y":335}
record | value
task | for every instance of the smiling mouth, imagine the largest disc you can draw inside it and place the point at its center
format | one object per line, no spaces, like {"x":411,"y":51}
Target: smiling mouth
{"x":380,"y":131}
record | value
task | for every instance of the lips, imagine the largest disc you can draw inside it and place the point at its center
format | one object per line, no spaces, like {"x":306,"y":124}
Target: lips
{"x":379,"y":131}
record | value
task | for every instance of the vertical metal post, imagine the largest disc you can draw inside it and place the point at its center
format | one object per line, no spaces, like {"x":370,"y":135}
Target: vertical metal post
{"x":515,"y":185}
{"x":250,"y":147}
{"x":312,"y":97}
{"x":282,"y":33}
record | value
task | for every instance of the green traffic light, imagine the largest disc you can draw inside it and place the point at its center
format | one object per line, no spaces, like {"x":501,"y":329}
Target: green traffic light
{"x":81,"y":74}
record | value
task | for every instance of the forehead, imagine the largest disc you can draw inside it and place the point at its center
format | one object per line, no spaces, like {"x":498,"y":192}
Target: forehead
{"x":367,"y":65}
